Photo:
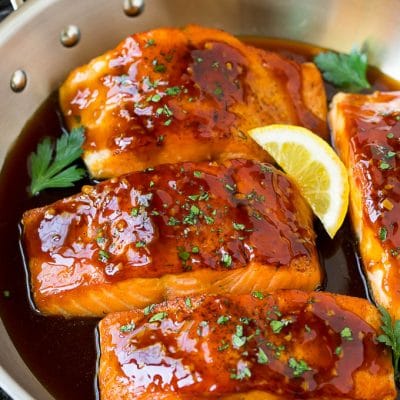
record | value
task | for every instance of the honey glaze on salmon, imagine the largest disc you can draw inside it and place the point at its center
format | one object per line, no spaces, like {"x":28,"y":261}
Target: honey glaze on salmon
{"x":170,"y":230}
{"x":290,"y":344}
{"x":191,"y":94}
{"x":371,"y":125}
{"x":375,"y":138}
{"x":61,"y":353}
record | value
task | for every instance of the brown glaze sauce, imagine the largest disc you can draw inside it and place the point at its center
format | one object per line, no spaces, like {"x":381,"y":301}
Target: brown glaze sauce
{"x":374,"y":136}
{"x":167,"y":220}
{"x":210,"y":339}
{"x":62,"y":353}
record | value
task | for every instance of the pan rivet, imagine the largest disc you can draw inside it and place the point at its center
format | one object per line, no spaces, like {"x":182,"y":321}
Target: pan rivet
{"x":18,"y":80}
{"x":132,"y":8}
{"x":70,"y":36}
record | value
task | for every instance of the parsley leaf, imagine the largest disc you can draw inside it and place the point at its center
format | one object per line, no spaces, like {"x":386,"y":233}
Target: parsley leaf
{"x":298,"y":367}
{"x":47,"y":166}
{"x":158,"y":316}
{"x":347,"y":71}
{"x":262,"y":358}
{"x":128,"y":327}
{"x":223,"y":319}
{"x":346,"y":334}
{"x":277,"y":325}
{"x":391,"y":336}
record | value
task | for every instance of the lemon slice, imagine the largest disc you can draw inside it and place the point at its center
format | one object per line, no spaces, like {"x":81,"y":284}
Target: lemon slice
{"x":313,"y":165}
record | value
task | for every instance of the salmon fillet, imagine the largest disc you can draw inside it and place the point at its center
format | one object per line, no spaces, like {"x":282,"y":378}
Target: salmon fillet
{"x":287,"y":345}
{"x":172,"y":95}
{"x":366,"y":133}
{"x":173,"y":230}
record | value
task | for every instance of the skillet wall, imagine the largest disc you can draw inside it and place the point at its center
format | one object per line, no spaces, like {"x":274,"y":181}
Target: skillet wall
{"x":29,"y":39}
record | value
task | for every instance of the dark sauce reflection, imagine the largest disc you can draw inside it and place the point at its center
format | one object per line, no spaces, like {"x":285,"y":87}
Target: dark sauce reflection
{"x":62,"y":353}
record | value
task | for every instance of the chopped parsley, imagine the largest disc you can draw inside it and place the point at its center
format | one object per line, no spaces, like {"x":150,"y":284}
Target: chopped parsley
{"x":384,"y":165}
{"x":103,"y":256}
{"x":173,"y":91}
{"x":128,"y":327}
{"x":346,"y":333}
{"x":262,"y":358}
{"x":157,"y":67}
{"x":155,"y":98}
{"x":183,"y":255}
{"x":226,"y":259}
{"x":135,"y":212}
{"x":382,"y":233}
{"x":265,"y":168}
{"x":218,"y":91}
{"x":188,"y":302}
{"x":238,"y":227}
{"x":223,"y":319}
{"x":150,"y":42}
{"x":338,"y":350}
{"x":148,"y":309}
{"x":197,"y":174}
{"x":141,"y":243}
{"x":191,"y":219}
{"x":209,"y":220}
{"x":164,"y":110}
{"x":257,"y":294}
{"x":390,"y":135}
{"x":172,"y":221}
{"x":298,"y":367}
{"x":194,"y":210}
{"x":390,"y":154}
{"x":149,"y":83}
{"x":278,"y":325}
{"x":223,"y":346}
{"x":100,"y":240}
{"x":230,"y":187}
{"x":158,"y":316}
{"x":238,"y":340}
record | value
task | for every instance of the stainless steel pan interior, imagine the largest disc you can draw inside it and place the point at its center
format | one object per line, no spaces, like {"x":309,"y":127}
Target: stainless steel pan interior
{"x":30,"y":40}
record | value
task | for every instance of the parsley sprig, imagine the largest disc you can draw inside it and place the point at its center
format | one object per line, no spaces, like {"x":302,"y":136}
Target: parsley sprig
{"x":48,"y":165}
{"x":390,"y":337}
{"x":346,"y":71}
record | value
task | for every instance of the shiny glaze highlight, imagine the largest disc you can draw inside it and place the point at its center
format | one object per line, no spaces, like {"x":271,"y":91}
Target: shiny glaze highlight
{"x":191,"y":94}
{"x":169,"y":220}
{"x":214,"y":346}
{"x":371,"y":125}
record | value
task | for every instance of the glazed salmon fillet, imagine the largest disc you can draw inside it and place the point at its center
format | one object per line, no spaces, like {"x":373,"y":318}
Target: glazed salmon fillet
{"x":286,"y":345}
{"x":366,"y":133}
{"x":175,"y":230}
{"x":172,"y":95}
